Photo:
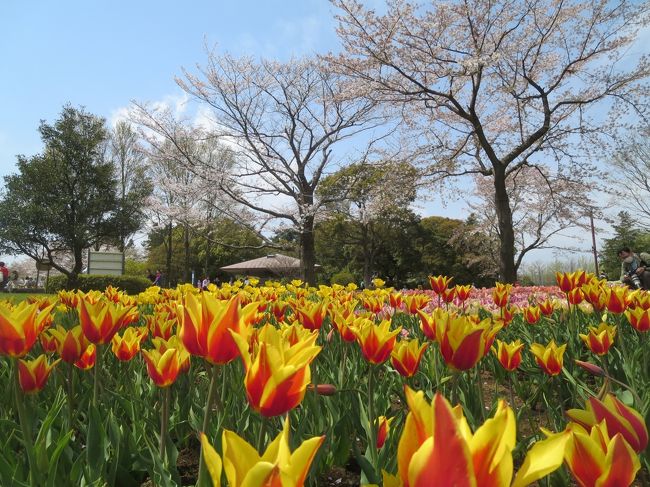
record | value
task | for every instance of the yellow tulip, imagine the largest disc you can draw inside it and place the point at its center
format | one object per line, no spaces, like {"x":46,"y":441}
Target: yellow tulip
{"x":244,"y":466}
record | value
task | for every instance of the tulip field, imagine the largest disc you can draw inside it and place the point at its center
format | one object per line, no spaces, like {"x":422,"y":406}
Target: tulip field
{"x":272,"y":384}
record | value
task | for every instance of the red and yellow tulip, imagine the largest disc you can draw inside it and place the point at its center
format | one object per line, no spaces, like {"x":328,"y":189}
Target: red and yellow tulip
{"x":163,"y":367}
{"x":88,"y":357}
{"x":20,"y":326}
{"x":277,"y":373}
{"x":463,"y":292}
{"x":206,"y":325}
{"x":595,"y":459}
{"x":546,"y":307}
{"x":383,"y":428}
{"x":33,"y":374}
{"x":599,"y":339}
{"x":100,"y":319}
{"x":376,"y":341}
{"x":174,"y":342}
{"x":532,"y":314}
{"x":126,"y":346}
{"x":501,"y":294}
{"x":440,"y":283}
{"x":639,"y":318}
{"x":437,"y":447}
{"x":550,"y":357}
{"x":463,"y":341}
{"x":617,"y":299}
{"x":509,"y":354}
{"x":618,"y":417}
{"x":311,"y":315}
{"x":245,"y":467}
{"x":406,"y":356}
{"x":415,"y":302}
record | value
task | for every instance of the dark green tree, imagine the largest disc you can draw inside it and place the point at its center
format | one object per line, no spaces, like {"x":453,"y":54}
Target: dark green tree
{"x":63,"y":200}
{"x":626,"y":234}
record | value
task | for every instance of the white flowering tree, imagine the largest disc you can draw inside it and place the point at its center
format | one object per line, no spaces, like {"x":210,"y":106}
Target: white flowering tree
{"x":491,"y":87}
{"x":287,"y":124}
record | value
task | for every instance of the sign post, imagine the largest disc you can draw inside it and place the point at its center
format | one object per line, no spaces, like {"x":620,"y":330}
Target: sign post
{"x":105,"y":263}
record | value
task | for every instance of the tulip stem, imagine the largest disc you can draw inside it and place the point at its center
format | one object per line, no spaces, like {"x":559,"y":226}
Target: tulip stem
{"x":70,"y":394}
{"x":372,"y":443}
{"x":96,"y":378}
{"x":25,"y":426}
{"x":206,"y":417}
{"x":164,"y":423}
{"x":454,"y":387}
{"x":261,"y":436}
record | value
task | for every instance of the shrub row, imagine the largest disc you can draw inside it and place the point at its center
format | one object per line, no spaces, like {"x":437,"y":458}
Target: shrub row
{"x":130,"y":284}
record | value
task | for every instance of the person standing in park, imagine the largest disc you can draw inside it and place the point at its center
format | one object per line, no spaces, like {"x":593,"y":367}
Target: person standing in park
{"x":5,"y":276}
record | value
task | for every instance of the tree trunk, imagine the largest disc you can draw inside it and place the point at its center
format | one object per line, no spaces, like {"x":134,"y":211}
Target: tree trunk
{"x":507,"y":269}
{"x":308,"y":252}
{"x":186,"y":272}
{"x":73,"y":276}
{"x":168,"y":271}
{"x":367,"y":257}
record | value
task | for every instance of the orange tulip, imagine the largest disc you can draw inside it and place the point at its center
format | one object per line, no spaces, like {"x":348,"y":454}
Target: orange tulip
{"x":532,"y":314}
{"x":440,"y":283}
{"x":575,"y":296}
{"x":639,"y":318}
{"x":70,"y":343}
{"x":567,"y":281}
{"x":33,"y":374}
{"x":415,"y":302}
{"x":596,"y":459}
{"x":395,"y":300}
{"x":125,"y":347}
{"x":618,"y":417}
{"x":463,"y":342}
{"x":88,"y":358}
{"x":69,"y":298}
{"x":48,"y":341}
{"x":617,"y":299}
{"x":344,"y":325}
{"x":406,"y":356}
{"x":448,"y":295}
{"x":549,"y":358}
{"x":596,"y":295}
{"x":463,"y":292}
{"x":376,"y":341}
{"x":437,"y":448}
{"x":163,"y":367}
{"x":374,"y":303}
{"x":20,"y":326}
{"x":162,"y":324}
{"x":279,"y":309}
{"x":206,"y":323}
{"x":429,"y":322}
{"x":277,"y":373}
{"x":509,"y":354}
{"x":508,"y":314}
{"x":174,"y":342}
{"x":501,"y":294}
{"x":382,"y":430}
{"x":546,"y":307}
{"x":600,"y":339}
{"x":101,"y":319}
{"x":311,"y":315}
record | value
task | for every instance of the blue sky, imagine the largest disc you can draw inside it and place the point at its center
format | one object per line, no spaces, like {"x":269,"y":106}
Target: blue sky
{"x":103,"y":54}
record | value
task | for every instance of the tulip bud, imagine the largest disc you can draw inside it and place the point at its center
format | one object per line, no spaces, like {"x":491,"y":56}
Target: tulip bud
{"x":323,"y":389}
{"x":591,"y":368}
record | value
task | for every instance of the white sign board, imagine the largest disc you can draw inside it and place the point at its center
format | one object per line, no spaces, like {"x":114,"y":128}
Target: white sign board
{"x":105,"y":263}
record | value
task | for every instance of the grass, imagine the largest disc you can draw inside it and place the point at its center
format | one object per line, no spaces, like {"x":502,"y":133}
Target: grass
{"x":18,"y":297}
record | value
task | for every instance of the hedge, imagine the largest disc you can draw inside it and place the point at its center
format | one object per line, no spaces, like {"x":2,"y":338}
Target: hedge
{"x":130,"y":284}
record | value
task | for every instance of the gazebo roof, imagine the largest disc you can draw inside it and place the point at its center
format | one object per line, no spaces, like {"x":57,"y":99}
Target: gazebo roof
{"x":272,"y":263}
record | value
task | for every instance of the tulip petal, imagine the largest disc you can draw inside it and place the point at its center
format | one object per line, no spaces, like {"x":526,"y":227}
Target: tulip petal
{"x":621,"y":464}
{"x":544,"y":457}
{"x":212,"y":461}
{"x":238,"y":457}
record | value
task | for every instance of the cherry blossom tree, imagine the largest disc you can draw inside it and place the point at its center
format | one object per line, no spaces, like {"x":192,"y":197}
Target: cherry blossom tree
{"x":542,"y":209}
{"x":288,"y":124}
{"x":491,"y":87}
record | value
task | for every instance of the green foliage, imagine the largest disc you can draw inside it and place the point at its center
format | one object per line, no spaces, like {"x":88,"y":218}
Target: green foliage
{"x":626,"y":234}
{"x":130,"y":284}
{"x":63,"y":200}
{"x":343,"y":277}
{"x":222,"y":243}
{"x":135,"y":268}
